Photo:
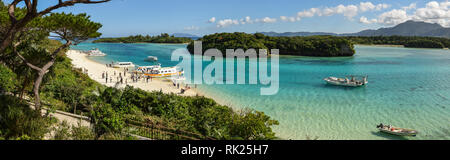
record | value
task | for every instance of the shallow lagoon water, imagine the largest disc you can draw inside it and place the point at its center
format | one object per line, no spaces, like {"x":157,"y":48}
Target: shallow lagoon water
{"x":407,"y":88}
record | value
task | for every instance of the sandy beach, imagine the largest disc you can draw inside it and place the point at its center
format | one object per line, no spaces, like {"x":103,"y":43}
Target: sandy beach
{"x":96,"y":69}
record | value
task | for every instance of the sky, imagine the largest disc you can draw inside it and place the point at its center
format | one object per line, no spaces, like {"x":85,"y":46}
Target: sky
{"x":201,"y":17}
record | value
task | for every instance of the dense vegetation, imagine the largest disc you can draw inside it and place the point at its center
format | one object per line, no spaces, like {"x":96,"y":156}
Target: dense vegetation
{"x":69,"y":90}
{"x":323,"y":46}
{"x":414,"y":42}
{"x":31,"y":55}
{"x":163,"y":38}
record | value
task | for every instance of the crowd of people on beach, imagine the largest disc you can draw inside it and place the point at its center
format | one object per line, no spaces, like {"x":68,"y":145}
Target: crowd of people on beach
{"x":120,"y":78}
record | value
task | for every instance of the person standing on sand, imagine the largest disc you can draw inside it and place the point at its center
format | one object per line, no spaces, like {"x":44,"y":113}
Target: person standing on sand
{"x":114,"y":73}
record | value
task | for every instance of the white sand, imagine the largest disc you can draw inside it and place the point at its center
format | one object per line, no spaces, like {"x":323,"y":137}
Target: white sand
{"x":95,"y":70}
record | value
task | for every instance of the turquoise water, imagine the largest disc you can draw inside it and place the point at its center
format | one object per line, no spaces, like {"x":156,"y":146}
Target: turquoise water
{"x":407,"y":88}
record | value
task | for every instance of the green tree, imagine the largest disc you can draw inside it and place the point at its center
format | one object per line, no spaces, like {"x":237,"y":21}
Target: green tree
{"x":71,"y":28}
{"x":18,"y":21}
{"x":7,"y":79}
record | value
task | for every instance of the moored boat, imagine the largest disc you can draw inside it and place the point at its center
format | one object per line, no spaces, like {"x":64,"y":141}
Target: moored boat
{"x":164,"y":72}
{"x":147,"y":69}
{"x":151,"y":58}
{"x":95,"y":53}
{"x":123,"y":65}
{"x":350,"y":81}
{"x":396,"y":130}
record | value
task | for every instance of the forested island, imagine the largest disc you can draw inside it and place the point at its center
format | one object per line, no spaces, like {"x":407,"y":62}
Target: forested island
{"x":406,"y":41}
{"x":317,"y":46}
{"x":320,"y":46}
{"x":163,"y":38}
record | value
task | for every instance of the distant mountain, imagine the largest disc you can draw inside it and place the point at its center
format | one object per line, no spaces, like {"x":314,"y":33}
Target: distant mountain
{"x":408,"y":28}
{"x":184,"y":35}
{"x":292,"y":34}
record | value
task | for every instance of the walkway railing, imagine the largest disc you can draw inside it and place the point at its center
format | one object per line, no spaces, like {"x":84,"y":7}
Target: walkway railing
{"x":159,"y":132}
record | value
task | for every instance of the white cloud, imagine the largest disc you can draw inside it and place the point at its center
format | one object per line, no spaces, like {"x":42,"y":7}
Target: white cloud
{"x":269,"y":20}
{"x":393,"y":17}
{"x":367,"y":21}
{"x":410,"y":7}
{"x":348,"y":11}
{"x":288,"y":19}
{"x":433,"y":12}
{"x":366,"y":6}
{"x":226,"y":23}
{"x":242,"y":21}
{"x":192,"y":28}
{"x":309,"y":13}
{"x":212,"y":20}
{"x":369,"y":6}
{"x":382,"y":6}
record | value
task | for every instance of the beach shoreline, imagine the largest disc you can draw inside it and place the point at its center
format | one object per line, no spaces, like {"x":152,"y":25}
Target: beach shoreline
{"x":381,"y":45}
{"x":95,"y":70}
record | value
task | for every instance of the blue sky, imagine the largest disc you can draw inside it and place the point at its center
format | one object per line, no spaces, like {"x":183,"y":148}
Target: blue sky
{"x":129,"y":17}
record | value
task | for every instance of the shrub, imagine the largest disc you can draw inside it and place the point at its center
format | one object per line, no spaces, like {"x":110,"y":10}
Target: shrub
{"x":17,"y":119}
{"x":7,"y":79}
{"x":66,"y":132}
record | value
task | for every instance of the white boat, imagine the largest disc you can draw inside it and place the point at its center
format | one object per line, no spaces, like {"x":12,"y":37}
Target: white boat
{"x":164,"y":72}
{"x":123,"y":65}
{"x":151,"y":58}
{"x":148,"y":69}
{"x":95,"y":53}
{"x":351,"y":81}
{"x":397,"y":130}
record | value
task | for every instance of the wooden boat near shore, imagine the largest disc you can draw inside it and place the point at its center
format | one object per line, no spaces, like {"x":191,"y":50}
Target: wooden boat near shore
{"x":396,"y":130}
{"x":350,"y":81}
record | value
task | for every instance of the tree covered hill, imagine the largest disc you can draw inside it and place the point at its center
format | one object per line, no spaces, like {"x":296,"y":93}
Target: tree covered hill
{"x":321,"y":46}
{"x":163,"y":38}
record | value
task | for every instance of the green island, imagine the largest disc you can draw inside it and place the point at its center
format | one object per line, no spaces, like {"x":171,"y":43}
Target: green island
{"x":321,"y":46}
{"x":37,"y":79}
{"x":163,"y":38}
{"x":410,"y":42}
{"x":316,"y":46}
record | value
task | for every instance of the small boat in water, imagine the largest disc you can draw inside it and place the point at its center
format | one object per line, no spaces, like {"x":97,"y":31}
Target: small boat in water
{"x":95,"y":53}
{"x":123,"y":65}
{"x":350,"y":81}
{"x":396,"y":130}
{"x":151,"y":58}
